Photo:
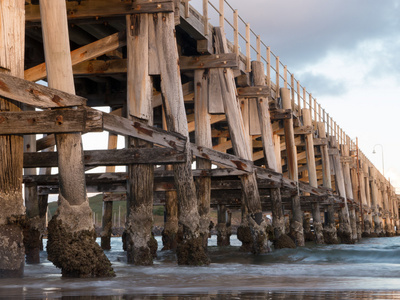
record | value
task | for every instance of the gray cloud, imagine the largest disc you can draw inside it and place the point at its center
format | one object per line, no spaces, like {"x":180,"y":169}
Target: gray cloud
{"x":321,"y":85}
{"x":303,"y":32}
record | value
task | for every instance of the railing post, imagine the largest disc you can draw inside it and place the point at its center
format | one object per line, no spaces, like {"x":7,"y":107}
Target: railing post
{"x":221,"y":14}
{"x":269,"y":67}
{"x":205,"y":16}
{"x":258,"y":48}
{"x":248,"y":48}
{"x":285,"y":77}
{"x":277,"y":77}
{"x":236,"y":31}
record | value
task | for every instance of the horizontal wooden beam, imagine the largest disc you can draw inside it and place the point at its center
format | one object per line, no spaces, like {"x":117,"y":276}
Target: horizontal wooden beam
{"x":81,"y":54}
{"x":280,"y":114}
{"x":109,"y":157}
{"x":228,"y":60}
{"x":50,"y":121}
{"x":115,"y":66}
{"x":254,"y":91}
{"x":103,"y":8}
{"x":36,"y":95}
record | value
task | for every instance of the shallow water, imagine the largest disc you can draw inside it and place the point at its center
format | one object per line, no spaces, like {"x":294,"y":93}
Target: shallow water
{"x":367,"y":270}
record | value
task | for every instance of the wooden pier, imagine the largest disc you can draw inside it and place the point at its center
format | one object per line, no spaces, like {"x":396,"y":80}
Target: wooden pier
{"x":180,"y":91}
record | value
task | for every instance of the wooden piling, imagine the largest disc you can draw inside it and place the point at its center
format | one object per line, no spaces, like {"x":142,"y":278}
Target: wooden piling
{"x":349,"y":188}
{"x":12,"y":36}
{"x":203,"y":139}
{"x":223,"y":235}
{"x":139,"y":222}
{"x":108,"y":205}
{"x":330,"y":233}
{"x":190,"y":250}
{"x":35,"y":227}
{"x":344,"y":231}
{"x":312,"y":176}
{"x":242,"y":149}
{"x":71,"y":234}
{"x":278,"y":218}
{"x":377,"y":222}
{"x":296,"y":225}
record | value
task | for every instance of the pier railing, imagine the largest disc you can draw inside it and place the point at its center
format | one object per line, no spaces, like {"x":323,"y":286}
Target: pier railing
{"x":248,"y":45}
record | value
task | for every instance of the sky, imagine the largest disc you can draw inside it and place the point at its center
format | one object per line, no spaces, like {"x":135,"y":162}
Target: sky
{"x":346,"y":53}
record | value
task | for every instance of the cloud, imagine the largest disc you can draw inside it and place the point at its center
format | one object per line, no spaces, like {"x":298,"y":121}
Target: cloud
{"x":302,"y":32}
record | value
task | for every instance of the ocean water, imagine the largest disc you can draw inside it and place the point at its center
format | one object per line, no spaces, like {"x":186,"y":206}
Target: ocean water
{"x":369,"y":269}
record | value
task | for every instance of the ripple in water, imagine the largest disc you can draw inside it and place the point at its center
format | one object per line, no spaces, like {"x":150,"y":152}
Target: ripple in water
{"x":367,"y":270}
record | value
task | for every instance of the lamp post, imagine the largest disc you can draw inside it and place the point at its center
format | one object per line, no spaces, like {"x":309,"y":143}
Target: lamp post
{"x":383,"y":164}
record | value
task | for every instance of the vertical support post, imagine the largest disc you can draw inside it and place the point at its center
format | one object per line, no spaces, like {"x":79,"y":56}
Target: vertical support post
{"x":222,"y":233}
{"x":12,"y":37}
{"x":375,"y":202}
{"x":344,"y":218}
{"x":296,"y":225}
{"x":330,"y":234}
{"x":278,"y":218}
{"x":190,"y":250}
{"x":312,"y":176}
{"x":139,"y":240}
{"x":349,"y":189}
{"x":35,"y":228}
{"x":108,"y":205}
{"x":241,"y":148}
{"x":71,"y":231}
{"x":203,"y":139}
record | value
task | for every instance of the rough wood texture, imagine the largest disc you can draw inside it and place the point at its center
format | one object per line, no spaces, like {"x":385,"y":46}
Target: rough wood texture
{"x":344,"y":218}
{"x":241,"y":147}
{"x":312,"y":177}
{"x":203,"y":138}
{"x":141,"y":177}
{"x":73,"y":203}
{"x":296,"y":225}
{"x":278,"y":218}
{"x":109,"y":157}
{"x":108,"y":205}
{"x":50,"y":121}
{"x":190,"y":250}
{"x":12,"y":34}
{"x":87,"y":52}
{"x":226,"y":60}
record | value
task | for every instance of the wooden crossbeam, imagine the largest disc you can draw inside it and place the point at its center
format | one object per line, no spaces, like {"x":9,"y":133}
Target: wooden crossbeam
{"x":254,"y":91}
{"x":115,"y":66}
{"x":104,"y":8}
{"x":36,"y":95}
{"x":227,"y":60}
{"x":109,"y":157}
{"x":50,"y":121}
{"x":81,"y":54}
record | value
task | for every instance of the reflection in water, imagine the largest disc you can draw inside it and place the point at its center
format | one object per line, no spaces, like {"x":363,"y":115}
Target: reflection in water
{"x":367,"y":270}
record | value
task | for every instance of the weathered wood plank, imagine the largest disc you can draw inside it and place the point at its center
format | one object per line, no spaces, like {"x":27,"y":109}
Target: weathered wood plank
{"x":143,"y":131}
{"x":52,"y":121}
{"x":35,"y":94}
{"x":226,"y":60}
{"x":109,"y":157}
{"x":84,"y":53}
{"x":254,"y":91}
{"x":104,"y":8}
